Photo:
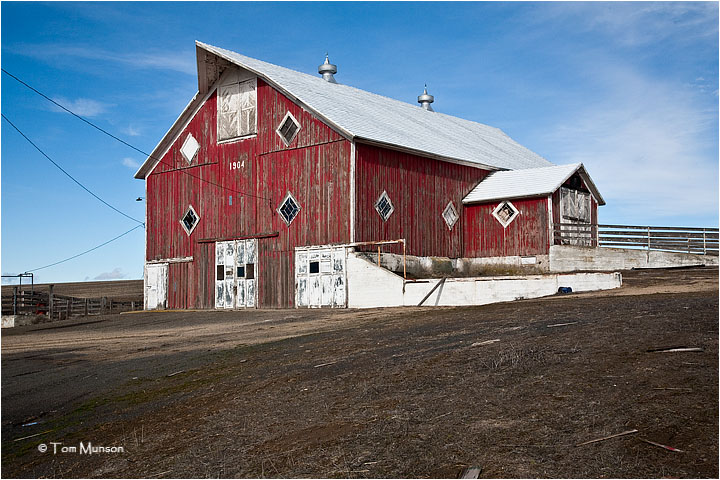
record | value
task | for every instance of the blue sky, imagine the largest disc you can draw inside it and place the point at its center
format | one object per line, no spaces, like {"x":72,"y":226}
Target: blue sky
{"x":629,"y":89}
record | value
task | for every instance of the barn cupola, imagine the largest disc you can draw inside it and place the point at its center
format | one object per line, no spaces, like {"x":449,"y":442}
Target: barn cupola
{"x":327,"y":70}
{"x":425,"y":100}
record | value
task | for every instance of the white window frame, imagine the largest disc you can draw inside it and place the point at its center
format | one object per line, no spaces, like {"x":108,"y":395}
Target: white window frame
{"x":385,"y":195}
{"x":189,"y":140}
{"x":288,"y":195}
{"x":509,"y":220}
{"x":228,"y":82}
{"x":297,"y":124}
{"x":189,"y":209}
{"x":450,"y":206}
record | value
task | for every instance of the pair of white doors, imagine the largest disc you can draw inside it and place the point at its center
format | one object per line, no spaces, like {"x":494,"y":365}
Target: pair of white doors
{"x":320,"y":277}
{"x":236,"y":274}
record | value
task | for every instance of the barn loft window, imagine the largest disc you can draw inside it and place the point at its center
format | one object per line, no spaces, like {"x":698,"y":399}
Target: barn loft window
{"x":190,"y":220}
{"x":190,"y":148}
{"x":289,"y":208}
{"x":450,"y":215}
{"x":505,"y":213}
{"x":288,"y":129}
{"x":237,"y":103}
{"x":384,"y":206}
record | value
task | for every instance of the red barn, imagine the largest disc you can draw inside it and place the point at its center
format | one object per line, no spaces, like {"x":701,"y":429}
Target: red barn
{"x":265,"y":160}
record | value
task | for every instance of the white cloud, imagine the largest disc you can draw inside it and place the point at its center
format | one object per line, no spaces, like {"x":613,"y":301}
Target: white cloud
{"x":175,"y":61}
{"x":651,"y":146}
{"x":85,"y":107}
{"x":131,"y":163}
{"x":132,"y":131}
{"x":116,"y":274}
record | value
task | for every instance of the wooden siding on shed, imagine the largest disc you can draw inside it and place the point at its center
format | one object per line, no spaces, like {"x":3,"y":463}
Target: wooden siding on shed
{"x":419,"y":189}
{"x":527,"y":234}
{"x":256,"y":172}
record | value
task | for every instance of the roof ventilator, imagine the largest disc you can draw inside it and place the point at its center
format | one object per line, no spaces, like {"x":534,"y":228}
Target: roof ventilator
{"x":425,"y":100}
{"x":327,"y":70}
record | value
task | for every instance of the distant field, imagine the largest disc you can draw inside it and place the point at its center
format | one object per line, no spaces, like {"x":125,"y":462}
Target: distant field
{"x":115,"y":289}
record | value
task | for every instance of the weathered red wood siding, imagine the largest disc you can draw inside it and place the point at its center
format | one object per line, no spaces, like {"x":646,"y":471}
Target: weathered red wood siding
{"x":526,"y":235}
{"x":420,"y":189}
{"x":256,"y":172}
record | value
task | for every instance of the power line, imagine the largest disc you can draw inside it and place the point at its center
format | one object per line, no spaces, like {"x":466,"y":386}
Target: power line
{"x":86,"y":251}
{"x":129,"y":145}
{"x":66,"y":173}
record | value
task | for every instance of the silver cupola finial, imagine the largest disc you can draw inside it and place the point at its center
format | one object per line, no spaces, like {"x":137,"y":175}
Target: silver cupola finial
{"x":425,"y":100}
{"x":327,"y":70}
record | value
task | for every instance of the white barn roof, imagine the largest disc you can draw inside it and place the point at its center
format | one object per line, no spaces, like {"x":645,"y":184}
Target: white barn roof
{"x":372,"y":118}
{"x":532,"y":182}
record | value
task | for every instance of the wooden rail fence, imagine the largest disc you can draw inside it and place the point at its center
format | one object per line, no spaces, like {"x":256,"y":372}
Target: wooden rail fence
{"x":696,"y":240}
{"x":62,"y":306}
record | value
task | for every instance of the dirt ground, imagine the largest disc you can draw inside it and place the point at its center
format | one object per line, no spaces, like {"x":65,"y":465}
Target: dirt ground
{"x":421,"y":392}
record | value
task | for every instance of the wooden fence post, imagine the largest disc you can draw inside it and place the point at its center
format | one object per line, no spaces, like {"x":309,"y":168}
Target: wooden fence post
{"x":69,"y":307}
{"x":86,"y":307}
{"x":103,"y":304}
{"x":15,"y":291}
{"x":51,"y":309}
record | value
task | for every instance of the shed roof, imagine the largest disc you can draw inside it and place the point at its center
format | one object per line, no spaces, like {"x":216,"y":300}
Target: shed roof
{"x":531,"y":182}
{"x":364,"y":116}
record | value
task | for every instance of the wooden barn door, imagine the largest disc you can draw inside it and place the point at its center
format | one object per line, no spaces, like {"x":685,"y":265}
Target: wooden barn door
{"x":156,"y":282}
{"x":235,"y":274}
{"x":576,"y":208}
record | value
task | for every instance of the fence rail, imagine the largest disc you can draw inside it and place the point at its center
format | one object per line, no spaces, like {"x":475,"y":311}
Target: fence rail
{"x":62,"y":306}
{"x":696,"y":240}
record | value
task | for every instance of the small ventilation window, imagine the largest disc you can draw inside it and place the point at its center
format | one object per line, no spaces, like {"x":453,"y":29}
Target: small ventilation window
{"x":384,"y":206}
{"x":289,"y":208}
{"x":288,"y":129}
{"x":505,"y":213}
{"x":190,"y":220}
{"x":450,"y":215}
{"x":190,"y":148}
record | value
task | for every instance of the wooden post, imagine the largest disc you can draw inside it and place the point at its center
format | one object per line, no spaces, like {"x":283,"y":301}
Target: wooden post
{"x":378,"y":255}
{"x":704,"y":246}
{"x":404,"y":263}
{"x":15,"y":292}
{"x":103,"y":304}
{"x":110,"y":306}
{"x":86,"y":307}
{"x":648,"y":244}
{"x":69,"y":307}
{"x":132,"y":305}
{"x":51,"y":303}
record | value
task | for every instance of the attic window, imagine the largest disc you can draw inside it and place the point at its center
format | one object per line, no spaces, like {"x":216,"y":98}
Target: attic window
{"x":190,"y":220}
{"x":289,"y":208}
{"x":450,"y":215}
{"x":505,"y":213}
{"x":236,"y":109}
{"x":190,"y":148}
{"x":384,"y":206}
{"x":288,"y":129}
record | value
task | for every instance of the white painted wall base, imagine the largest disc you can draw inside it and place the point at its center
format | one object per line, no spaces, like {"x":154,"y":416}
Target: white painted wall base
{"x":565,"y":258}
{"x":370,"y":286}
{"x":9,"y":321}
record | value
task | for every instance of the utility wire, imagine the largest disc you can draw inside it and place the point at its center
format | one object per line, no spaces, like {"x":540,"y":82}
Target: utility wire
{"x":86,"y":251}
{"x":129,"y":145}
{"x":66,"y":173}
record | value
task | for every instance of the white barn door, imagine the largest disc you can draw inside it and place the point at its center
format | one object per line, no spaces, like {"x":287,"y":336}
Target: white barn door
{"x":320,"y":277}
{"x":235,"y":274}
{"x":156,"y":280}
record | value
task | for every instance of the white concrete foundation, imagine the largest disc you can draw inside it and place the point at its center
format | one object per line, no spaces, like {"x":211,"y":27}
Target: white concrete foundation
{"x":371,"y":286}
{"x":565,"y":258}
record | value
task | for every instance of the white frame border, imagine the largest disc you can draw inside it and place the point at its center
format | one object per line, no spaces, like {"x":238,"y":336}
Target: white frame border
{"x":511,"y":219}
{"x":196,"y":223}
{"x":288,"y":195}
{"x":392,"y":207}
{"x":451,"y":206}
{"x":297,"y":124}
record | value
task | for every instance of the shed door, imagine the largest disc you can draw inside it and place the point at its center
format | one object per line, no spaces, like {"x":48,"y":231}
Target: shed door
{"x":235,"y":274}
{"x":320,"y":279}
{"x":156,"y":281}
{"x":576,"y":208}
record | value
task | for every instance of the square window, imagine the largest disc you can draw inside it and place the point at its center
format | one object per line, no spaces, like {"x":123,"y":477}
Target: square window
{"x":190,"y":148}
{"x":220,"y":272}
{"x":289,"y":208}
{"x":314,"y":267}
{"x":190,"y":220}
{"x":288,"y":129}
{"x":249,"y":271}
{"x":237,"y":103}
{"x":505,"y":213}
{"x":241,"y":271}
{"x":450,"y":215}
{"x":384,"y":206}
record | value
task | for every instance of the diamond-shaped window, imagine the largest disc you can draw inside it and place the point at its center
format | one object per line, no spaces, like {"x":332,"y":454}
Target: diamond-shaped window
{"x":190,"y":148}
{"x":190,"y":220}
{"x":288,"y":129}
{"x":505,"y":213}
{"x":384,"y":206}
{"x":289,"y":208}
{"x":450,"y":215}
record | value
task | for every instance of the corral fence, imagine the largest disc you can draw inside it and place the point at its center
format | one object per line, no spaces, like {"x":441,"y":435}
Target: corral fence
{"x":696,"y":240}
{"x":23,"y":302}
